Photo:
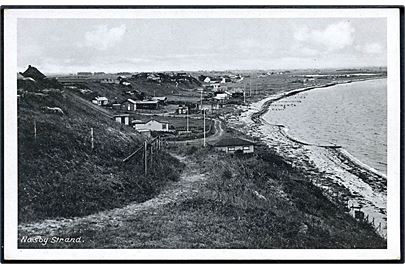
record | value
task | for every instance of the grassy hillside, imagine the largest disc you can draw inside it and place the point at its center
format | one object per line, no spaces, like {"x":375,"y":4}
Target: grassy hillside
{"x":60,"y":175}
{"x":253,"y":202}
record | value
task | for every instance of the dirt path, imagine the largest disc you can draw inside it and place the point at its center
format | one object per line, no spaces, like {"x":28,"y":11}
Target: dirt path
{"x":190,"y":180}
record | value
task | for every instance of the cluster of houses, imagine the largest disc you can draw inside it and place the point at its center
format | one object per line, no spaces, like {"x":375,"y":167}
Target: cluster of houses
{"x":228,"y":144}
{"x":122,"y":80}
{"x":132,"y":105}
{"x":160,"y":77}
{"x":143,"y":126}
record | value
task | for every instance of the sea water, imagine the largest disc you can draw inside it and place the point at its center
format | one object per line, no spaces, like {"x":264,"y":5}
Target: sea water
{"x":352,"y":115}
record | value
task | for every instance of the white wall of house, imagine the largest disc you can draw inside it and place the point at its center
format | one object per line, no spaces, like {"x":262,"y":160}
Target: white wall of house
{"x":129,"y":106}
{"x":152,"y":125}
{"x":120,"y":118}
{"x":221,"y":96}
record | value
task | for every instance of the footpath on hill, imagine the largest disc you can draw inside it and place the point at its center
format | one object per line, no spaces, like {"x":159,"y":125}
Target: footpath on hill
{"x":188,"y":184}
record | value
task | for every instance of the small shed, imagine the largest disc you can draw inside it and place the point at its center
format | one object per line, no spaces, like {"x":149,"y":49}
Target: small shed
{"x":100,"y":101}
{"x":122,"y":118}
{"x":182,"y":109}
{"x":231,"y":145}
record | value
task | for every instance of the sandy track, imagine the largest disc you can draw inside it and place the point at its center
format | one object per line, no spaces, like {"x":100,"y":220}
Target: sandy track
{"x":190,"y":180}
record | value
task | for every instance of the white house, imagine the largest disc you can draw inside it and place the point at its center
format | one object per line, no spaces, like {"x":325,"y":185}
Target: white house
{"x":207,"y":79}
{"x":151,"y":125}
{"x":215,"y":86}
{"x":100,"y":101}
{"x":221,"y":96}
{"x":161,"y":100}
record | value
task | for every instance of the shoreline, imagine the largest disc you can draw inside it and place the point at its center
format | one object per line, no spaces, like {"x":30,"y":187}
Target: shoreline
{"x":258,"y":117}
{"x":363,"y":185}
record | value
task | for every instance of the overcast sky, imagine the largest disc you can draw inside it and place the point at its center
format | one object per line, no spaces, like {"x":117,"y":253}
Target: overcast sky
{"x":111,"y":45}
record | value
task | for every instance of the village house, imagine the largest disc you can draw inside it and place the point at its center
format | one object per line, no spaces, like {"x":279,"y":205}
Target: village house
{"x":161,"y":100}
{"x":100,"y":101}
{"x":225,"y":79}
{"x":84,"y":73}
{"x":147,"y":105}
{"x":151,"y":125}
{"x":221,"y":96}
{"x":72,"y":80}
{"x":128,"y":105}
{"x":207,"y":79}
{"x":132,"y":105}
{"x":116,"y":106}
{"x":122,"y":118}
{"x":231,"y":145}
{"x":110,"y":81}
{"x":153,"y":77}
{"x":215,"y":86}
{"x":33,"y":73}
{"x":182,"y":109}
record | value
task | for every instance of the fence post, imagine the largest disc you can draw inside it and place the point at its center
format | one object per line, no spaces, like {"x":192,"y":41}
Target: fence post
{"x":146,"y":158}
{"x":35,"y":130}
{"x":151,"y":155}
{"x":92,"y":138}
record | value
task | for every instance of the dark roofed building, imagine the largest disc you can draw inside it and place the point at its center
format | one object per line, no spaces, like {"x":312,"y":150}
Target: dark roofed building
{"x":231,"y":145}
{"x":33,"y":72}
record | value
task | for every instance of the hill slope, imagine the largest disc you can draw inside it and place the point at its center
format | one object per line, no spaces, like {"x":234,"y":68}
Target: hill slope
{"x":60,"y":175}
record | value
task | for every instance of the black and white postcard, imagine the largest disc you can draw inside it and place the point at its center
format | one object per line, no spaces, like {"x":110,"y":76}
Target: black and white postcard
{"x":192,"y":133}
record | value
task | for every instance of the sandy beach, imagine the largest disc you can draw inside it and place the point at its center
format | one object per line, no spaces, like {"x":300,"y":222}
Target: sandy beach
{"x":344,"y":179}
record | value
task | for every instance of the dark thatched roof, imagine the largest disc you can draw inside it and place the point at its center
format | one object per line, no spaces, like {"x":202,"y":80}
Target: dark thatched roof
{"x":34,"y":73}
{"x":233,"y":142}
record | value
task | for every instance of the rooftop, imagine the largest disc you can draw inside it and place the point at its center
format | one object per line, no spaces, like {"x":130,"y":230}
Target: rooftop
{"x":138,"y":121}
{"x":34,"y":73}
{"x":233,"y":142}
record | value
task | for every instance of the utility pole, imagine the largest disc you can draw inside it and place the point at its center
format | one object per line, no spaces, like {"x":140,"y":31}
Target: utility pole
{"x":146,"y":158}
{"x":256,"y":87}
{"x":187,"y":118}
{"x":244,"y":97}
{"x":201,"y":98}
{"x":151,"y":156}
{"x":250,"y":86}
{"x":204,"y":128}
